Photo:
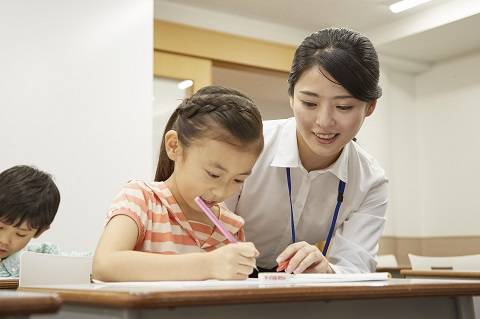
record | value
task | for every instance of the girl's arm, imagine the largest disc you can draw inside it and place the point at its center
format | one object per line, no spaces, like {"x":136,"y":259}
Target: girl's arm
{"x":115,"y":259}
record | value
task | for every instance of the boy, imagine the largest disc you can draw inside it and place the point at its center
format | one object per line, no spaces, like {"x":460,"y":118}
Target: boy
{"x":29,"y":200}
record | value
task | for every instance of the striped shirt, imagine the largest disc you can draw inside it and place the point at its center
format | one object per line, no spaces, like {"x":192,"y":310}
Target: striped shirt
{"x":163,"y":227}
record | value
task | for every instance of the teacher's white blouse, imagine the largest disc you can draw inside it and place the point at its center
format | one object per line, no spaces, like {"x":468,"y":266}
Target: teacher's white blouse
{"x":264,"y":203}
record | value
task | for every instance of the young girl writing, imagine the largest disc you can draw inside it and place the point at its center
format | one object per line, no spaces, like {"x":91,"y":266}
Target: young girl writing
{"x":155,"y":231}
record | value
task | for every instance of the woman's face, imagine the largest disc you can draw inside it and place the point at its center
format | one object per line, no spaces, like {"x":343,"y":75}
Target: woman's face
{"x":327,"y":117}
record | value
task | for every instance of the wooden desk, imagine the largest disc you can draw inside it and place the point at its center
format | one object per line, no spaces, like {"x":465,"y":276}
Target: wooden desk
{"x":15,"y":304}
{"x":440,"y":274}
{"x":8,"y":283}
{"x":395,"y":298}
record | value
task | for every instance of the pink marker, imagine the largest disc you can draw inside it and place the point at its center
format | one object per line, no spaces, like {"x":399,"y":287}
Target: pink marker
{"x":215,"y":220}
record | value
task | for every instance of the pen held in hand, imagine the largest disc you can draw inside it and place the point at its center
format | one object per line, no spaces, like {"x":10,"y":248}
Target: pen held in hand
{"x":283,"y":265}
{"x":216,"y":221}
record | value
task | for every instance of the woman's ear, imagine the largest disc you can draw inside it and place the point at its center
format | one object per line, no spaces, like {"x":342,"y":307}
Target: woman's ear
{"x":172,"y":145}
{"x":371,"y":107}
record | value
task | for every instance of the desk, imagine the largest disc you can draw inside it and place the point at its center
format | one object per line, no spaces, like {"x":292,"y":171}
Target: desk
{"x":395,"y":298}
{"x":15,"y":304}
{"x":441,"y":274}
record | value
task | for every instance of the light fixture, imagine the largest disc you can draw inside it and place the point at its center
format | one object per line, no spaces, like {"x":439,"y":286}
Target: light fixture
{"x":405,"y":5}
{"x":185,"y":84}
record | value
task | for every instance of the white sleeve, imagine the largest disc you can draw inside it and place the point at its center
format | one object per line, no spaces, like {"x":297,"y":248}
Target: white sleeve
{"x":355,"y":243}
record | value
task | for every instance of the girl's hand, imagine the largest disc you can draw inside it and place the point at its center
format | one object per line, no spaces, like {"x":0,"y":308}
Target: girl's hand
{"x":233,"y":261}
{"x":304,"y":257}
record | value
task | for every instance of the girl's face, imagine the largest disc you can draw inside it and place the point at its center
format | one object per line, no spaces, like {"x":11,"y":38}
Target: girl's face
{"x":327,"y":117}
{"x":211,"y":169}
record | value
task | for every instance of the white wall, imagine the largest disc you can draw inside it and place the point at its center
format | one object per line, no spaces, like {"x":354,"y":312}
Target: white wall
{"x":448,"y":99}
{"x":76,"y":101}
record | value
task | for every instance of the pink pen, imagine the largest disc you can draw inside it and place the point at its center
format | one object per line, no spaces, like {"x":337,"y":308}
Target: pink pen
{"x":216,"y":221}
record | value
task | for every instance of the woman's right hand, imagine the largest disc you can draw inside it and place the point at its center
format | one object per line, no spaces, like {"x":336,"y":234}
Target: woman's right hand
{"x":233,"y":261}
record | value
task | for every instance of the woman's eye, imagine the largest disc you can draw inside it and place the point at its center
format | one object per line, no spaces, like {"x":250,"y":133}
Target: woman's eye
{"x":344,"y":107}
{"x":308,"y":104}
{"x":20,"y":235}
{"x":239,"y":181}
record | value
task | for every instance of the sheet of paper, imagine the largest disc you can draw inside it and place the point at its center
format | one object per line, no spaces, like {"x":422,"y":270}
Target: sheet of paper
{"x":293,"y":281}
{"x":43,"y":269}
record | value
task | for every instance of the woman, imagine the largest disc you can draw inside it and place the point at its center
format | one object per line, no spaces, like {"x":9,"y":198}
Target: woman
{"x":313,"y":182}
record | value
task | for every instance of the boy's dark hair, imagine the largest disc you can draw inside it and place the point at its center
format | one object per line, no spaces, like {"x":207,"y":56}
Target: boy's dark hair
{"x":28,"y":195}
{"x":220,"y":113}
{"x":348,"y":56}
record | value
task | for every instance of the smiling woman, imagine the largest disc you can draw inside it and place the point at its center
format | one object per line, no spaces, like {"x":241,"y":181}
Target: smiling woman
{"x":322,"y":186}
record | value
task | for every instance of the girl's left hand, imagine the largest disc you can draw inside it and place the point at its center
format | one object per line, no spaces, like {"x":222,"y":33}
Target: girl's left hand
{"x":304,"y":258}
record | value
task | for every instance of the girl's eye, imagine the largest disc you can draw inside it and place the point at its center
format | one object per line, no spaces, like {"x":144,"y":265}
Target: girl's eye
{"x":308,"y":104}
{"x":20,"y":235}
{"x":344,"y":107}
{"x":212,"y":175}
{"x":239,"y":181}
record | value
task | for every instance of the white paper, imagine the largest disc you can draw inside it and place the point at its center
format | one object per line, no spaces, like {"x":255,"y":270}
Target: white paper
{"x":38,"y":269}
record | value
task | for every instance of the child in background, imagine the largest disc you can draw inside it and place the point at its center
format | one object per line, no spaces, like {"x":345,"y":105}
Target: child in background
{"x":29,"y":200}
{"x":155,"y":231}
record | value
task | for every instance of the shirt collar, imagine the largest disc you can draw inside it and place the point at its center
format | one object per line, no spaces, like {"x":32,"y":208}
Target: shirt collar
{"x":12,"y":264}
{"x":286,"y":154}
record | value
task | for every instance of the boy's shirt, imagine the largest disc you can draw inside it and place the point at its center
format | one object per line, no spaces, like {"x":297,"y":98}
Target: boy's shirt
{"x":10,"y":266}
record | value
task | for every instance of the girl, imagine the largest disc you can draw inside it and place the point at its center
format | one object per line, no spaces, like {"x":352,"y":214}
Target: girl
{"x":322,"y":185}
{"x":155,"y":231}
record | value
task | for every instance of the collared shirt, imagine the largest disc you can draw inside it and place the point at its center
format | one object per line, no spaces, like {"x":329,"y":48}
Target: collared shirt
{"x":264,"y":202}
{"x":163,"y":227}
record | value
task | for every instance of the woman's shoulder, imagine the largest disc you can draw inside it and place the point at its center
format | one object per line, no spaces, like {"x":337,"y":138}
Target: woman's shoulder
{"x":365,"y":162}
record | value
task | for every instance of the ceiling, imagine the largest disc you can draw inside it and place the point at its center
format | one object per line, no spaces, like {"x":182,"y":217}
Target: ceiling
{"x":431,"y":33}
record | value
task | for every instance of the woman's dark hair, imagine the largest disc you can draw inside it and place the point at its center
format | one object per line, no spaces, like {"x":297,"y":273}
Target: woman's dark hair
{"x":220,"y":113}
{"x":28,"y":195}
{"x":348,"y":56}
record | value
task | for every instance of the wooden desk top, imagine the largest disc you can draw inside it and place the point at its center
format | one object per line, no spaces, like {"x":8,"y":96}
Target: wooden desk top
{"x":188,"y":297}
{"x":447,"y":274}
{"x":25,"y":303}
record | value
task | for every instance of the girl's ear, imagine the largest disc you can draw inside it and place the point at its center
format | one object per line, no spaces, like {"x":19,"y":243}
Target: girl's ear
{"x":371,"y":107}
{"x":172,"y":146}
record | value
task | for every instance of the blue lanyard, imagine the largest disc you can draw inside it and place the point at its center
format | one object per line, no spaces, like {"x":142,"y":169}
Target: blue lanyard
{"x":341,"y":190}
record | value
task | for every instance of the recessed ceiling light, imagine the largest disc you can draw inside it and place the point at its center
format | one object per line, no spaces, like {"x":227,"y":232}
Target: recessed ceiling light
{"x":406,"y":4}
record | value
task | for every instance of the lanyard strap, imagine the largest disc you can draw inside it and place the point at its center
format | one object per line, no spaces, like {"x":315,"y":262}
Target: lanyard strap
{"x":341,"y":190}
{"x":292,"y":220}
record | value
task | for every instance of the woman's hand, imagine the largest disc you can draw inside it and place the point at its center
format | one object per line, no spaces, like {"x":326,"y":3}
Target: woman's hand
{"x":233,"y":261}
{"x":304,"y":257}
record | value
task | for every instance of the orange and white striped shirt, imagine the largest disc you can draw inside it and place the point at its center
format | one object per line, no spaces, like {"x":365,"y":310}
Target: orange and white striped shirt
{"x":162,"y":226}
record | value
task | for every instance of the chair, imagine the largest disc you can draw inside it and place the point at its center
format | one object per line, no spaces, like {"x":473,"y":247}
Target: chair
{"x":456,"y":263}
